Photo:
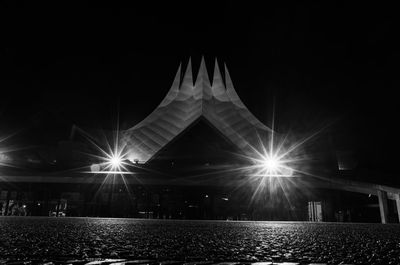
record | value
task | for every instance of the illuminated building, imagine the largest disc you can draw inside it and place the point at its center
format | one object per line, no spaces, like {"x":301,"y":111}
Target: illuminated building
{"x":199,"y":154}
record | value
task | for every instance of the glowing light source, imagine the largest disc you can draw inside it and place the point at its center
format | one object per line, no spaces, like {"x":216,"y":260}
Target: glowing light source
{"x":115,"y":161}
{"x":271,"y":163}
{"x":273,"y":166}
{"x":112,"y":160}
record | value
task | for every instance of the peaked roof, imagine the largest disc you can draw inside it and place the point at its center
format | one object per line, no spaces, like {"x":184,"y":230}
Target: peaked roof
{"x":186,"y":102}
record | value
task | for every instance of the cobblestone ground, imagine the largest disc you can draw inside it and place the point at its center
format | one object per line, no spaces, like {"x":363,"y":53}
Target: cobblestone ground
{"x":25,"y":240}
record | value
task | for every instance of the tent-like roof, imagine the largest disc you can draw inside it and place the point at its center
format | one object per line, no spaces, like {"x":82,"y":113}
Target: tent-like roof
{"x":186,"y":102}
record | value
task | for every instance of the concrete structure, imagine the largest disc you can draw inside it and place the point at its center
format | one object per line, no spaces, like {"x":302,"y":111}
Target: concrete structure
{"x":218,"y":104}
{"x":186,"y":102}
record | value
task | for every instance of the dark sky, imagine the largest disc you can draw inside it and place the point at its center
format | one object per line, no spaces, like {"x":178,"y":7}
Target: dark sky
{"x":323,"y":63}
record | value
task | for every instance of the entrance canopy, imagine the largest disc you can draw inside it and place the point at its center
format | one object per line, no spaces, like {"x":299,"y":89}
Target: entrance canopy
{"x":188,"y":101}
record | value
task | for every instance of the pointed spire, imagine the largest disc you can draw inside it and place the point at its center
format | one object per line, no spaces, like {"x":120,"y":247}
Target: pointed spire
{"x":230,"y":90}
{"x":174,"y":90}
{"x":218,"y":87}
{"x":188,"y":77}
{"x":217,"y":78}
{"x":187,"y":82}
{"x":202,"y":76}
{"x":203,"y":85}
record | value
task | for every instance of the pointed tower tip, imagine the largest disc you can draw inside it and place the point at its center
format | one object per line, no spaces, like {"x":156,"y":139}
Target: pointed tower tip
{"x":202,"y":70}
{"x":188,"y":72}
{"x":218,"y":87}
{"x":228,"y":80}
{"x":202,"y":63}
{"x":187,"y":82}
{"x":217,"y":72}
{"x":230,"y":90}
{"x":178,"y":75}
{"x":226,"y":73}
{"x":202,"y":85}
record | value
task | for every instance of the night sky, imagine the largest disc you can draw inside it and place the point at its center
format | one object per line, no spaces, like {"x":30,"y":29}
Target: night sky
{"x":323,"y":64}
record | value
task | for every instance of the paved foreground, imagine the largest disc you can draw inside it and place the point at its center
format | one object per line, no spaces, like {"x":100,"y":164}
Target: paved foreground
{"x":133,"y":241}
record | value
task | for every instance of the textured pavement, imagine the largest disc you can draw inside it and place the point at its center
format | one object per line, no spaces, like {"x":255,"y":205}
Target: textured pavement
{"x":25,"y":240}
